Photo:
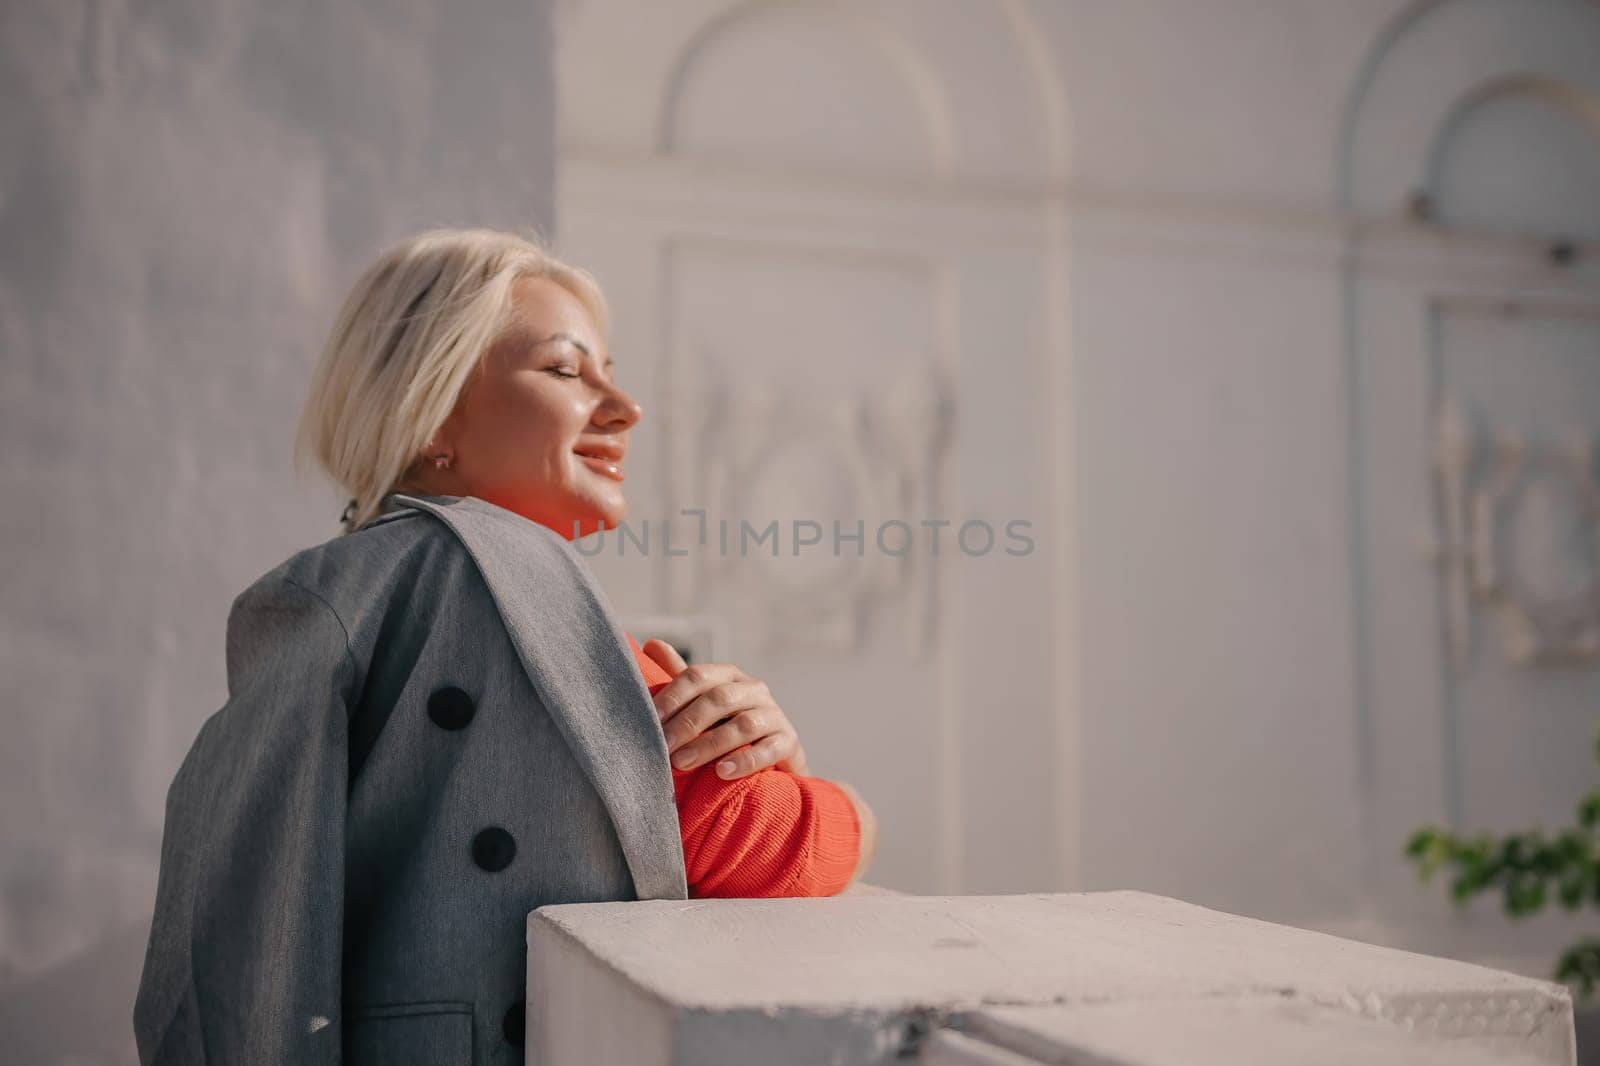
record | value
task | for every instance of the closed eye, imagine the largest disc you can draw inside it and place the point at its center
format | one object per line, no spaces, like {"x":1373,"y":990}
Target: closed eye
{"x":563,"y":371}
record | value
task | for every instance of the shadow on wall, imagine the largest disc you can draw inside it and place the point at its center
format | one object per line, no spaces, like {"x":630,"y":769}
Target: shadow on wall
{"x":80,"y":1011}
{"x":186,"y":192}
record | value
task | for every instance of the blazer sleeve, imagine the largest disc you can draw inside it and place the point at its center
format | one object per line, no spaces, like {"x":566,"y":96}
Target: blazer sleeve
{"x":245,"y":950}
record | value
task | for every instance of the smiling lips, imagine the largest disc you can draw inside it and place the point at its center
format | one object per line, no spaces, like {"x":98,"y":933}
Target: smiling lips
{"x":604,"y":458}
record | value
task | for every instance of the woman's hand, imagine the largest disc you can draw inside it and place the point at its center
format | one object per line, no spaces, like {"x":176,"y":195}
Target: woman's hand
{"x":709,"y":710}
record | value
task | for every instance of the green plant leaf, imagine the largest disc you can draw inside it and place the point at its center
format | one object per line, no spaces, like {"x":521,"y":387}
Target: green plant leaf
{"x":1524,"y":895}
{"x":1514,"y":851}
{"x":1579,"y":966}
{"x":1575,"y":847}
{"x":1421,"y":842}
{"x":1574,"y":886}
{"x":1431,"y":849}
{"x":1589,"y":810}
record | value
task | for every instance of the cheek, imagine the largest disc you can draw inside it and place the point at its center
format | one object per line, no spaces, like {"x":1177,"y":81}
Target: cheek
{"x":530,"y":427}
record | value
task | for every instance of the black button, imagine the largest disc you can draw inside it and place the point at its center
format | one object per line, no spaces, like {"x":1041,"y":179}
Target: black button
{"x":515,"y":1025}
{"x":450,"y":708}
{"x":493,"y":849}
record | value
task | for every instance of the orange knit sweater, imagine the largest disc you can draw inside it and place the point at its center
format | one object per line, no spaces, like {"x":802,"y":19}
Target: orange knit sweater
{"x":769,"y":834}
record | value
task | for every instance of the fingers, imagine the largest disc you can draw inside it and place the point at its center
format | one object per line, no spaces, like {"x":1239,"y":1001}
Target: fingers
{"x":716,"y":723}
{"x":746,"y":759}
{"x":768,"y":751}
{"x":695,"y":681}
{"x":711,"y":710}
{"x":664,"y":655}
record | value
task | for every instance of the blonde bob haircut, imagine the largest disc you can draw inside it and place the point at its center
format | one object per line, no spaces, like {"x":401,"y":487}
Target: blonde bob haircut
{"x":411,"y":332}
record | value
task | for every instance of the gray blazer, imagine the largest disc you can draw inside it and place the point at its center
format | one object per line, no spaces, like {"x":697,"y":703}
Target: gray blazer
{"x":434,"y":725}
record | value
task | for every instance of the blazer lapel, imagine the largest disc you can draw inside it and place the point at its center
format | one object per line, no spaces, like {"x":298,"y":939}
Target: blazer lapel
{"x":581,"y":668}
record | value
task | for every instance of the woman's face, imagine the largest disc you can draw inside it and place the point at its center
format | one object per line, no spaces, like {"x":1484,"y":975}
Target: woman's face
{"x":541,"y":428}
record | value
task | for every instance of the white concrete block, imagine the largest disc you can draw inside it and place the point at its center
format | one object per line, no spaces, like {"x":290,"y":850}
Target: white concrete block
{"x":1272,"y":1031}
{"x":861,"y":979}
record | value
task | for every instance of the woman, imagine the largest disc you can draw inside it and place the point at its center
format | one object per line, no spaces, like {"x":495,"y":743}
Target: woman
{"x":434,"y":724}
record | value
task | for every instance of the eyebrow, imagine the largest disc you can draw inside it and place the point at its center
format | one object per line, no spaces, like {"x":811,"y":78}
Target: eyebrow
{"x":570,"y":339}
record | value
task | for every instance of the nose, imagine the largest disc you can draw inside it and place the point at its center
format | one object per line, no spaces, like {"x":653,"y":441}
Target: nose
{"x":617,"y":409}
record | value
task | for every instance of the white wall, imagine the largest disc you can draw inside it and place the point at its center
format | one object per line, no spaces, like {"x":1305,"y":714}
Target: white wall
{"x":185,"y":193}
{"x":1171,"y":206}
{"x":1133,"y":205}
{"x":1126,"y":235}
{"x":1217,"y":708}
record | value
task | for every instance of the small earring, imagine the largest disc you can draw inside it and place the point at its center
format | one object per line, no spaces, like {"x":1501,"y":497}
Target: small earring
{"x":441,"y":461}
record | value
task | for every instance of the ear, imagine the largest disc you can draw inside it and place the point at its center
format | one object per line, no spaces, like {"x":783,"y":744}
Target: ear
{"x":442,"y":441}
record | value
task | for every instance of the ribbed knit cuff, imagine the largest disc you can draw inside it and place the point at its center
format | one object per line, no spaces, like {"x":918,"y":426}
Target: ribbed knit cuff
{"x":836,"y":843}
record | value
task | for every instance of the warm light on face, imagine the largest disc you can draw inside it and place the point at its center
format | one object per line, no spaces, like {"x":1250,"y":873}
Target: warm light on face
{"x":542,"y":428}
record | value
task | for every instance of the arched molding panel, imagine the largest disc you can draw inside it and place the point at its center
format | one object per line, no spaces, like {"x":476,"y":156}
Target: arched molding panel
{"x":1519,"y":155}
{"x":1047,"y":85}
{"x":1470,"y":174}
{"x":614,"y":62}
{"x":1437,"y":55}
{"x":829,"y":315}
{"x":976,"y":83}
{"x":811,"y":86}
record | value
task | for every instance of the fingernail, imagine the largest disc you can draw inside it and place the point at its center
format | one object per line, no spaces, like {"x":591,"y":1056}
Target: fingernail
{"x":726,"y":769}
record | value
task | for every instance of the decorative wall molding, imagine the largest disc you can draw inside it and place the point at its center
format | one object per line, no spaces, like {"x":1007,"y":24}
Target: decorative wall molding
{"x":1558,"y":94}
{"x":923,"y":87}
{"x":1436,"y":57}
{"x":1542,"y":197}
{"x":637,"y":193}
{"x":978,"y":105}
{"x":861,"y":457}
{"x":770,"y":447}
{"x":676,"y":196}
{"x":1493,"y":485}
{"x":1426,"y":719}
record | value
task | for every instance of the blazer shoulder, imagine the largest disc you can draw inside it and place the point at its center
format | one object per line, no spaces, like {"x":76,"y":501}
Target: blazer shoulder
{"x":404,"y":541}
{"x":358,"y":575}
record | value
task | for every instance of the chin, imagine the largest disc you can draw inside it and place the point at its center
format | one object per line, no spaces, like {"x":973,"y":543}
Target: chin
{"x":593,"y":523}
